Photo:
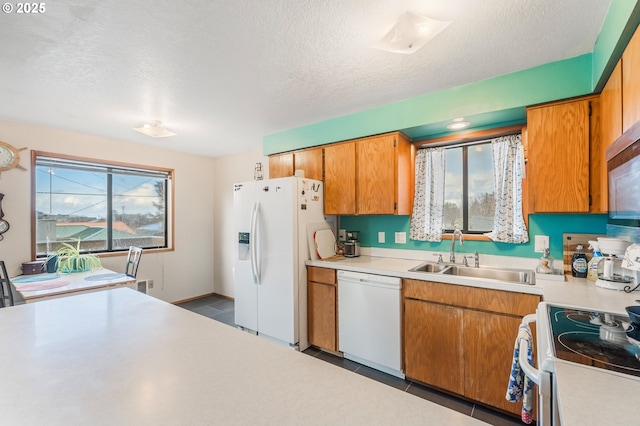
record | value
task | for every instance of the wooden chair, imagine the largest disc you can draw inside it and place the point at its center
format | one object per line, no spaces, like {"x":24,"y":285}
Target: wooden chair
{"x":133,"y":260}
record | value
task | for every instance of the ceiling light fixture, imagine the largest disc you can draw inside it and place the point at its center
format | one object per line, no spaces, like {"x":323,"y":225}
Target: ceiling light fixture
{"x":458,"y":124}
{"x":410,"y":33}
{"x":154,"y":129}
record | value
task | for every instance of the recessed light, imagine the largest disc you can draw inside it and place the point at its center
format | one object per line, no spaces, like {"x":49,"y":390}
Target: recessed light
{"x":458,"y":124}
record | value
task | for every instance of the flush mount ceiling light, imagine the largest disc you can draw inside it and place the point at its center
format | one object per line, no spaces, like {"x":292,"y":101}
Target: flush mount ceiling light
{"x":410,"y":33}
{"x":458,"y":124}
{"x":155,"y":130}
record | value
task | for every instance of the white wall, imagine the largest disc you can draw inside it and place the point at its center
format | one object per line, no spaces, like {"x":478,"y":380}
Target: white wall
{"x":229,"y":170}
{"x":183,"y":273}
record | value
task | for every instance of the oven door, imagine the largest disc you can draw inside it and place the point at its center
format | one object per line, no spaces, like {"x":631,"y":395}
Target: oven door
{"x":543,"y":375}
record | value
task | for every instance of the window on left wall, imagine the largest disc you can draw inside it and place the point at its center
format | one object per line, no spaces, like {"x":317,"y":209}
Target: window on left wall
{"x":107,"y":207}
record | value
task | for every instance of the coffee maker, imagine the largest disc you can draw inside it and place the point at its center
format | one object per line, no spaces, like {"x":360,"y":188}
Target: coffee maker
{"x":352,"y":246}
{"x":611,"y":273}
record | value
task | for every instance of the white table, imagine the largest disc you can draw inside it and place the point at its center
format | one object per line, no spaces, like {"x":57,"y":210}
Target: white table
{"x":57,"y":285}
{"x":119,"y":357}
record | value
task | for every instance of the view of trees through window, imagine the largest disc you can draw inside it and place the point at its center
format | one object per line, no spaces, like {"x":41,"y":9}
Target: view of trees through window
{"x":103,"y":207}
{"x":469,"y":188}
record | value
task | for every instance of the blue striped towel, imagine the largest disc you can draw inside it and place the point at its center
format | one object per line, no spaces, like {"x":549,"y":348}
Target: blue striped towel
{"x":520,"y":386}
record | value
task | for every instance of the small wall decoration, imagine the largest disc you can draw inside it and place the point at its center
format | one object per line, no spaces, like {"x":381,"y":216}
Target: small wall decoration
{"x":9,"y":157}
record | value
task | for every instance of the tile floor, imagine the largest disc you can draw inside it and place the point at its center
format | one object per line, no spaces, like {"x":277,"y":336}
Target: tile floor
{"x":222,"y":309}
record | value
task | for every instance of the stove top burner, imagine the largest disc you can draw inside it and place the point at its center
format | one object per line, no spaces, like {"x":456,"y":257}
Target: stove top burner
{"x":597,"y":339}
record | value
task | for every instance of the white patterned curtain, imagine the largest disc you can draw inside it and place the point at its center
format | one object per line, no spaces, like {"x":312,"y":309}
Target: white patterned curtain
{"x":428,"y":203}
{"x":508,"y":222}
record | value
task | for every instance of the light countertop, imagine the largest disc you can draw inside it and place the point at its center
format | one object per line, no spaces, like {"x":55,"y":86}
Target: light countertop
{"x":120,"y":357}
{"x":586,"y":396}
{"x":577,"y":292}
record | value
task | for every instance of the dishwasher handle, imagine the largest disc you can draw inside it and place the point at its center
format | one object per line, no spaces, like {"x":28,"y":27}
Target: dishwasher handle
{"x":528,"y":369}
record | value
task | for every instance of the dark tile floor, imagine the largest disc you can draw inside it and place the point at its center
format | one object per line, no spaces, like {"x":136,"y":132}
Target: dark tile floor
{"x":222,"y":309}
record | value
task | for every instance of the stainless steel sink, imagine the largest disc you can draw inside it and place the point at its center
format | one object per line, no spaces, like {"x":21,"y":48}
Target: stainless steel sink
{"x":520,"y":276}
{"x":430,"y":267}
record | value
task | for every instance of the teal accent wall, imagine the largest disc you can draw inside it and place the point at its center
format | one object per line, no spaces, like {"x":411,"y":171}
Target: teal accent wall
{"x":553,"y":225}
{"x":618,"y":27}
{"x":486,"y":98}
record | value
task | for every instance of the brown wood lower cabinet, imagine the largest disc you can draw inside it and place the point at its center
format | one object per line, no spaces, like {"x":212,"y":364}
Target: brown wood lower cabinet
{"x":460,"y":339}
{"x":322,"y":312}
{"x":433,"y":344}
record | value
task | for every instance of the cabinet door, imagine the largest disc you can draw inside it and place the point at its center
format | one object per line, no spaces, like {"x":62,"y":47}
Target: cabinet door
{"x":321,"y":311}
{"x":631,"y":82}
{"x":376,"y":181}
{"x":340,"y":178}
{"x":280,"y":165}
{"x":558,"y":152}
{"x":488,"y":352}
{"x":309,"y":160}
{"x":434,"y":344}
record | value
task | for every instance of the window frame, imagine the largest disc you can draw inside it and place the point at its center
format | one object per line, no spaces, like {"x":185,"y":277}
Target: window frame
{"x":465,"y":184}
{"x":476,"y":136}
{"x":169,"y":198}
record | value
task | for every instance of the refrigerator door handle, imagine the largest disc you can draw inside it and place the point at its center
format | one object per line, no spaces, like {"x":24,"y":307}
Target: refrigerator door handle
{"x":255,"y":265}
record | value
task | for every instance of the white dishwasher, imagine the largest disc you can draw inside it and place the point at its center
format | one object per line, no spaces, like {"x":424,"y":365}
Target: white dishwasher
{"x":369,"y":327}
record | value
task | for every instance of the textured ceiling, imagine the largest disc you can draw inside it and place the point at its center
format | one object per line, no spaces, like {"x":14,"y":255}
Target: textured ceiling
{"x":224,"y":73}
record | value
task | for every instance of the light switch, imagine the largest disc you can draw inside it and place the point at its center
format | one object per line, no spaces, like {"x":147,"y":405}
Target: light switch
{"x":381,"y":237}
{"x":401,"y":238}
{"x":541,"y":243}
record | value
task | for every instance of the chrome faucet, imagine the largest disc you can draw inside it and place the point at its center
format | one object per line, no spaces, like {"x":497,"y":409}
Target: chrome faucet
{"x":452,"y":256}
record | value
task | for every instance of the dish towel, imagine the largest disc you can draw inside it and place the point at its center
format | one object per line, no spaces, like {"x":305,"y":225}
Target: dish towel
{"x":520,"y":386}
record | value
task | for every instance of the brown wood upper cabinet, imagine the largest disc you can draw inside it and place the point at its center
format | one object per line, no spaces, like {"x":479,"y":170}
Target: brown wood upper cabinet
{"x":372,"y":175}
{"x":560,"y":138}
{"x":308,"y":160}
{"x":631,"y":82}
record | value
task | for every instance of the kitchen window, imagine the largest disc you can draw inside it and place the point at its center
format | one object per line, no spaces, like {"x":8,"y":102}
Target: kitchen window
{"x":474,"y":186}
{"x":107,"y":207}
{"x":469,"y":202}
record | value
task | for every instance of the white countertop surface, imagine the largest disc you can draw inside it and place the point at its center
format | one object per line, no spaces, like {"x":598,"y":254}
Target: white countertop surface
{"x":119,"y":357}
{"x":573,"y":292}
{"x":587,"y":396}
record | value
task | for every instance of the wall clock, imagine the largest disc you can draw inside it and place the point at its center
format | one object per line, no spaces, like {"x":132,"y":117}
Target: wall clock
{"x":4,"y":225}
{"x":9,"y":157}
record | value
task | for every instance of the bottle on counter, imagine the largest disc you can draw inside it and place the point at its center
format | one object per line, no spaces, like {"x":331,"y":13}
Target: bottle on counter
{"x":579,"y":263}
{"x":545,"y":264}
{"x":596,"y":257}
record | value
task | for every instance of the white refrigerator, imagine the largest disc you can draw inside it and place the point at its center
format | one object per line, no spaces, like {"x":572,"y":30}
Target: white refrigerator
{"x":273,"y":222}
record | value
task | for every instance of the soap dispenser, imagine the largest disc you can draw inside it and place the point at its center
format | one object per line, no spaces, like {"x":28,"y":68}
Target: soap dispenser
{"x":545,"y":264}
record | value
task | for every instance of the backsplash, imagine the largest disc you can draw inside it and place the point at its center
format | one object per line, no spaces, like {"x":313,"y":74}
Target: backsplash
{"x":553,"y":225}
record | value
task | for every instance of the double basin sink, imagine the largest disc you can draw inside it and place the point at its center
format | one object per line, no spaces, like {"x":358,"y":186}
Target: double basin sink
{"x":518,"y":276}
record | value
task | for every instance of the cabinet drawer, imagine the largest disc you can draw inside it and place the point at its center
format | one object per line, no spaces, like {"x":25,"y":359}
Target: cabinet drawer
{"x":482,"y":299}
{"x":321,"y":275}
{"x":503,"y":302}
{"x":431,"y":292}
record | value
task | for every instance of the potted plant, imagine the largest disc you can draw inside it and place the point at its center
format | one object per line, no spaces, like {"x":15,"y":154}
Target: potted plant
{"x":71,"y":260}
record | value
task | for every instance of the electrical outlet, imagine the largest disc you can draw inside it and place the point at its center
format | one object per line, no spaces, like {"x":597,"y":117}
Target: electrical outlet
{"x":381,"y":237}
{"x":150,"y":284}
{"x":401,"y":238}
{"x":541,"y":243}
{"x":342,"y":235}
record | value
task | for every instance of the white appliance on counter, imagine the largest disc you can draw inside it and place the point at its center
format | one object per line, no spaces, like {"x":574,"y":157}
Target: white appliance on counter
{"x":271,"y":218}
{"x":369,"y":324}
{"x":594,"y":340}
